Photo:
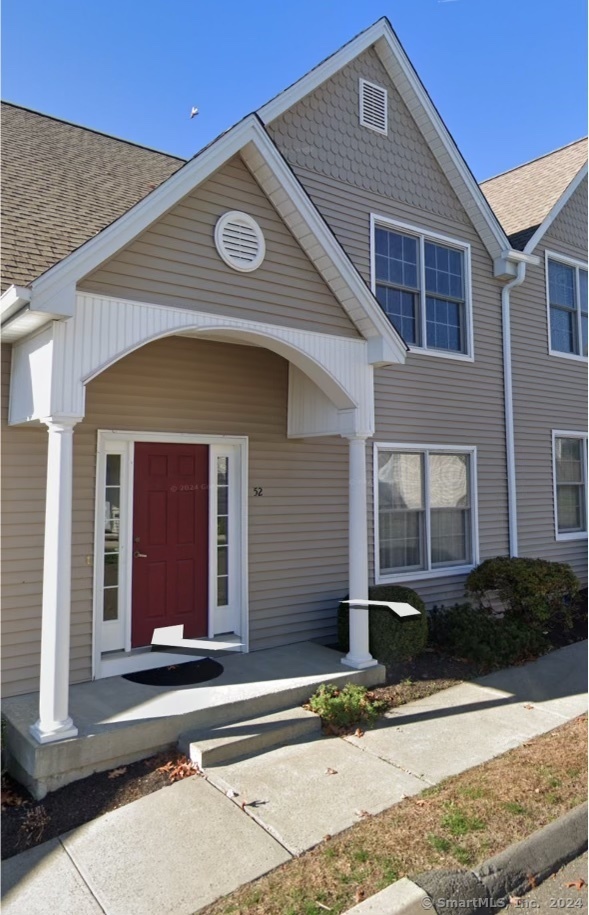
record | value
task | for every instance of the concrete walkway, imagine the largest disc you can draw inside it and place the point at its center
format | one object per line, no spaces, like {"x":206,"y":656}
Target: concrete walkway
{"x":177,"y":850}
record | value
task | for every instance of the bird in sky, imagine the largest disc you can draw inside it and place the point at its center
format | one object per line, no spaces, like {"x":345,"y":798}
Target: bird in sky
{"x":193,"y":112}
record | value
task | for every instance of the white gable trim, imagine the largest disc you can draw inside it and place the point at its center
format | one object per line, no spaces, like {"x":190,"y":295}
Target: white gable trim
{"x":54,"y":291}
{"x":556,"y":209}
{"x":424,"y":112}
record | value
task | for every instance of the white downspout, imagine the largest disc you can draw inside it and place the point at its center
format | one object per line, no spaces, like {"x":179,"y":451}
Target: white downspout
{"x":508,"y":396}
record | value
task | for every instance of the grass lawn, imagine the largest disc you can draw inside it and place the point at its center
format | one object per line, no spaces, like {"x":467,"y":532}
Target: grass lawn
{"x":459,"y":823}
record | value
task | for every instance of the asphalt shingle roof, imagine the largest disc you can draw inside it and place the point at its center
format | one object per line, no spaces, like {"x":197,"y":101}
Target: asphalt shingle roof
{"x":61,"y":184}
{"x":523,"y":197}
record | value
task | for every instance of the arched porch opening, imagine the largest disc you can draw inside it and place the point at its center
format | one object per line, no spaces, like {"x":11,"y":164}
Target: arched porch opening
{"x":329,"y":379}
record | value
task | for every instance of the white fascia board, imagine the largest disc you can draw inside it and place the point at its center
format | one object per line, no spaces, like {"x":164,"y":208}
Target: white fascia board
{"x":415,"y":96}
{"x":393,"y":343}
{"x":315,"y":77}
{"x":121,"y":232}
{"x":12,"y":300}
{"x":556,"y":209}
{"x":59,"y":282}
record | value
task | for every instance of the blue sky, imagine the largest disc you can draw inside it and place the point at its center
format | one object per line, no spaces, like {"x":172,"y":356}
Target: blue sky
{"x":508,"y":76}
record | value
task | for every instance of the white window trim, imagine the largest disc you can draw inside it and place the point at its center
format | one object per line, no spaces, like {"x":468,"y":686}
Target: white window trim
{"x":122,"y":442}
{"x":426,"y":235}
{"x":559,"y":433}
{"x":570,"y":262}
{"x":363,"y":122}
{"x":419,"y":575}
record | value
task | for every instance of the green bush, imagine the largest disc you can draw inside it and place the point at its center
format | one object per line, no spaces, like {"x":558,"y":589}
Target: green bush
{"x":475,"y":634}
{"x":535,"y":592}
{"x":347,"y":707}
{"x":391,"y":638}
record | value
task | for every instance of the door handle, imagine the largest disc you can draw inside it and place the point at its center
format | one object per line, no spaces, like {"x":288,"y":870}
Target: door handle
{"x":139,"y":555}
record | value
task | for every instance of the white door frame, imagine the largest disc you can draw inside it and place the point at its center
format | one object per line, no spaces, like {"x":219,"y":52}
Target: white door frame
{"x":117,"y":636}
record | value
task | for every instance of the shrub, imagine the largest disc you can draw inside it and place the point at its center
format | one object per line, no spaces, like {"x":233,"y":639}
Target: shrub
{"x":391,"y":638}
{"x":344,"y":708}
{"x":476,"y":634}
{"x":535,"y":592}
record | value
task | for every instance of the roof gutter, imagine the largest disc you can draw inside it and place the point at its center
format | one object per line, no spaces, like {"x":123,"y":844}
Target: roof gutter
{"x":13,"y":300}
{"x":508,"y":397}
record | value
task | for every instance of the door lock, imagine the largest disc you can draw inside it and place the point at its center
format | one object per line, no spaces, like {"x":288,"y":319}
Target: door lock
{"x":139,"y":555}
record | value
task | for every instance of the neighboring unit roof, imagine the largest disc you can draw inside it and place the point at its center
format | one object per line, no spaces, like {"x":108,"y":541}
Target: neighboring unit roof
{"x":61,"y":184}
{"x":523,"y":197}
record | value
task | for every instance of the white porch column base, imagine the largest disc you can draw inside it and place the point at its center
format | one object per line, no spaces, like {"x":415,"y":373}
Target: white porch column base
{"x":359,"y":656}
{"x":61,"y":731}
{"x":54,"y":721}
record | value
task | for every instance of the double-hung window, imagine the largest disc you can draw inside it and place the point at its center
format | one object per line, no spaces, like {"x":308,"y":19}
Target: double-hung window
{"x":426,"y":519}
{"x":567,"y":305}
{"x":570,"y":484}
{"x":423,"y":286}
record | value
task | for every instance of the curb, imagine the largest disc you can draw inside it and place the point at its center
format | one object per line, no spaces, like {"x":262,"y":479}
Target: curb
{"x":490,"y":885}
{"x":508,"y":874}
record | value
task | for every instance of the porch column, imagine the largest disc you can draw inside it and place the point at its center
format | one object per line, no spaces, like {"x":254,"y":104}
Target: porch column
{"x":54,"y":722}
{"x":358,"y":656}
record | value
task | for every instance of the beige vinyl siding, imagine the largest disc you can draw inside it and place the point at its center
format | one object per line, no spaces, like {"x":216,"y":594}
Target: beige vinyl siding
{"x":297,"y":529}
{"x":24,"y":463}
{"x":176,"y":263}
{"x":550,"y":392}
{"x":349,"y":173}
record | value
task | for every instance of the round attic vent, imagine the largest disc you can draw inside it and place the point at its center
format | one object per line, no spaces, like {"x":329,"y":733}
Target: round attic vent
{"x":240,"y":241}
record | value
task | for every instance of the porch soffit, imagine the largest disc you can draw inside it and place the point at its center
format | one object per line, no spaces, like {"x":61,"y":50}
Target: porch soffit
{"x":104,"y":330}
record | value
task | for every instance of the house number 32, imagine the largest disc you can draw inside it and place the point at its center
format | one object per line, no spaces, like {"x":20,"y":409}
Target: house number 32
{"x":258,"y":491}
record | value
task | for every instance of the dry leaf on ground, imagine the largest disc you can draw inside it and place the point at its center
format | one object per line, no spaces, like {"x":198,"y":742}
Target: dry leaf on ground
{"x":116,"y":773}
{"x":576,"y":884}
{"x":11,"y":799}
{"x":179,"y":769}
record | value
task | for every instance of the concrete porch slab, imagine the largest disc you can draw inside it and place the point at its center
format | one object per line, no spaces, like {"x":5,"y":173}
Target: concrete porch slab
{"x":119,"y":721}
{"x":296,"y":799}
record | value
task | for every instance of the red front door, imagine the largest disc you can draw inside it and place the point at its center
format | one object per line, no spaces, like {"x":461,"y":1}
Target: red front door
{"x":170,"y":539}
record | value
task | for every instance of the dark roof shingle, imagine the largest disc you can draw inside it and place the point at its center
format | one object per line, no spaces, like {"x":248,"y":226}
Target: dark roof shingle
{"x":523,"y":197}
{"x":61,"y":184}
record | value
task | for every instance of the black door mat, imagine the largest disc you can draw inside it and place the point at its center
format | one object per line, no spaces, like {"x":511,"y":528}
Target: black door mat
{"x":187,"y":674}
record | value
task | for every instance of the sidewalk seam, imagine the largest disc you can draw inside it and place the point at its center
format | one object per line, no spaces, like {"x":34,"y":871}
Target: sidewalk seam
{"x":82,"y":877}
{"x":422,"y":778}
{"x":254,"y":819}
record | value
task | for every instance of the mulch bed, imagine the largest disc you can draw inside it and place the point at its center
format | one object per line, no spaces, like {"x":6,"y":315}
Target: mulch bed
{"x":26,"y":822}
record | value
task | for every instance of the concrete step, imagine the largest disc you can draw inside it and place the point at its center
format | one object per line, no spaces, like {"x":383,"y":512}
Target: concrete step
{"x":230,"y":741}
{"x":119,"y":722}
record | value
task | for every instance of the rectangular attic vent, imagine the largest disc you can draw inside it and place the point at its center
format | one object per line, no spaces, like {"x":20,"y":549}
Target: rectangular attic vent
{"x":373,"y":107}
